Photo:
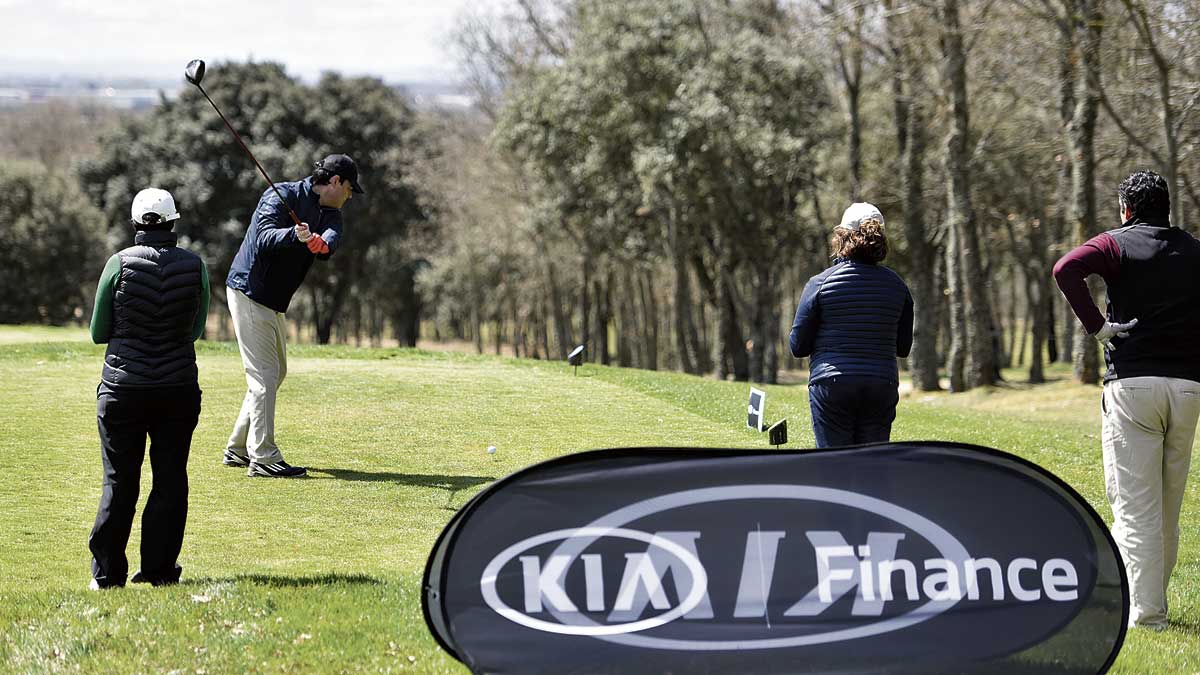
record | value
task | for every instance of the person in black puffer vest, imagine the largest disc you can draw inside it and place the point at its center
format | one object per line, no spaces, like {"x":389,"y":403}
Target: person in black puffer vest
{"x":1151,"y":398}
{"x":151,"y":306}
{"x":854,"y":319}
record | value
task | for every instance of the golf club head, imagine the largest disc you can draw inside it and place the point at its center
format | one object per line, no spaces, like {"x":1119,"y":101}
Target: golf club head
{"x":194,"y":71}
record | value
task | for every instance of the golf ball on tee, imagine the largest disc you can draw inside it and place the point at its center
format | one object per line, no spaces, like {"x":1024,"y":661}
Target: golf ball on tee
{"x":491,"y":449}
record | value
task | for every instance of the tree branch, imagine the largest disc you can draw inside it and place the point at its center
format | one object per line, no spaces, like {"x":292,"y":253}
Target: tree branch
{"x":1187,"y":184}
{"x":1184,"y":110}
{"x":1134,"y":138}
{"x":987,"y":7}
{"x":535,"y":22}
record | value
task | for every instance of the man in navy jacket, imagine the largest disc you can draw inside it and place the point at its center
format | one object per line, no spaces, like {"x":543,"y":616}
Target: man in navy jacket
{"x":273,"y":260}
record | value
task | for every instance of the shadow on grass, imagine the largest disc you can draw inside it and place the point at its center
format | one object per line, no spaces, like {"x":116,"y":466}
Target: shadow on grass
{"x":451,"y":483}
{"x":1185,"y":625}
{"x":280,"y":581}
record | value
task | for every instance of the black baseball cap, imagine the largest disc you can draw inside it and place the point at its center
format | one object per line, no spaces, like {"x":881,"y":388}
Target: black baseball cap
{"x":344,"y":167}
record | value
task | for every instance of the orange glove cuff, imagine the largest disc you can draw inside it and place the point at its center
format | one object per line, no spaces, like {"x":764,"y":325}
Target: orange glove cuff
{"x":317,"y":245}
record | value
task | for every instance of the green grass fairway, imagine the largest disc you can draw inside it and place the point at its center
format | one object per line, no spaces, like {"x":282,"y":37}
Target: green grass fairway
{"x":322,"y":575}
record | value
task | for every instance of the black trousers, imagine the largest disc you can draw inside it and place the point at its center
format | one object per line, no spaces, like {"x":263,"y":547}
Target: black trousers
{"x":852,"y":409}
{"x":125,"y":418}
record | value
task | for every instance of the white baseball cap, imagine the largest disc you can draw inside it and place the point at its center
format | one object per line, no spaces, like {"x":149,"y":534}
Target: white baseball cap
{"x":857,"y":212}
{"x":152,"y":206}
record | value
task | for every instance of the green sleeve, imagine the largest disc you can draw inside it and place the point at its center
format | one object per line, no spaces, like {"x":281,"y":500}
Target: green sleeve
{"x":102,"y":312}
{"x":205,"y":296}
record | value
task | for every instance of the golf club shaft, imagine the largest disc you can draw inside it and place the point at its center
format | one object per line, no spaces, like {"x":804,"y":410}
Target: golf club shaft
{"x":261,"y":170}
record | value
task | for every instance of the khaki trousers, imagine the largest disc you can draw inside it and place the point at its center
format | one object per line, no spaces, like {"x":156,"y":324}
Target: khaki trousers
{"x":261,"y":334}
{"x":1148,"y":429}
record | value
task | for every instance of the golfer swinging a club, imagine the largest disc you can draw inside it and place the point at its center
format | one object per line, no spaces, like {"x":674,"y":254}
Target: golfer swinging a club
{"x":273,"y":260}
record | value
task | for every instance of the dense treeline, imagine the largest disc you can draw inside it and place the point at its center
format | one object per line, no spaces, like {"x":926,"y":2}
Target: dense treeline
{"x":676,"y":167}
{"x":656,"y":179}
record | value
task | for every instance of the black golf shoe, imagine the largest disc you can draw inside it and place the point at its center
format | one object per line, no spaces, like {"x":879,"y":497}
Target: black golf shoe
{"x":231,"y":458}
{"x":171,"y":578}
{"x":280,"y":469}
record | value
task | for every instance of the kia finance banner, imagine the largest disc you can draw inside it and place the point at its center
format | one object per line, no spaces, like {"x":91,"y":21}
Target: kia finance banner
{"x":898,"y":558}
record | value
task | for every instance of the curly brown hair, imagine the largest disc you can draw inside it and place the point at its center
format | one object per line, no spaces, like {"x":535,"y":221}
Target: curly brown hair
{"x":867,"y":244}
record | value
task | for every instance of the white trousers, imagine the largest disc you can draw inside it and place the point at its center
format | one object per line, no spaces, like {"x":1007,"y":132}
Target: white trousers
{"x":1149,"y":425}
{"x":261,"y":334}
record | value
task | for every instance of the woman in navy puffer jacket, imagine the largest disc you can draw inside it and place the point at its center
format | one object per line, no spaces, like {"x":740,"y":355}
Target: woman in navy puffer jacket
{"x":854,"y":319}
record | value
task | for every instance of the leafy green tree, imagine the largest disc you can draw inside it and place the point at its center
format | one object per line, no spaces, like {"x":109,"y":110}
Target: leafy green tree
{"x":371,"y":122}
{"x":54,"y":246}
{"x":685,"y":128}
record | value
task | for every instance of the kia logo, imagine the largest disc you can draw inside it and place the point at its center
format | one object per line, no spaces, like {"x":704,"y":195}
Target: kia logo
{"x":550,"y":588}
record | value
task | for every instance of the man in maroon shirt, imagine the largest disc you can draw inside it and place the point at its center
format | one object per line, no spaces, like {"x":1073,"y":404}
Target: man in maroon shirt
{"x":1151,"y":395}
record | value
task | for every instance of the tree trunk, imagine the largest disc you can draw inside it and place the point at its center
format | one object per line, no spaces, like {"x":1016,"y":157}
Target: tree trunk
{"x":980,"y":349}
{"x":558,"y":312}
{"x":772,"y":356}
{"x":956,"y":353}
{"x":543,"y":333}
{"x":684,"y":329}
{"x":518,"y":334}
{"x":406,"y":317}
{"x":477,"y":315}
{"x":1013,"y":332}
{"x":702,"y":345}
{"x":704,"y":349}
{"x":766,"y":331}
{"x":323,"y":327}
{"x":1039,"y":312}
{"x":585,"y":305}
{"x":759,"y":321}
{"x":603,"y":315}
{"x":1066,"y":342}
{"x":627,"y":329}
{"x":730,"y":356}
{"x":1051,"y":333}
{"x":1082,"y":133}
{"x":356,"y":323}
{"x":1061,"y":347}
{"x":373,"y":319}
{"x":1023,"y":335}
{"x":650,"y":314}
{"x":923,"y":359}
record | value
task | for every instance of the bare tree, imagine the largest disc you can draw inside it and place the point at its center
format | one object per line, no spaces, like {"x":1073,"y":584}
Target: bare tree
{"x":848,"y":48}
{"x":980,"y":362}
{"x":909,"y":93}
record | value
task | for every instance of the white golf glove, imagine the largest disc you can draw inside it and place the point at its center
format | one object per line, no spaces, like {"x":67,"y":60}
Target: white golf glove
{"x":1111,"y":330}
{"x":303,"y":233}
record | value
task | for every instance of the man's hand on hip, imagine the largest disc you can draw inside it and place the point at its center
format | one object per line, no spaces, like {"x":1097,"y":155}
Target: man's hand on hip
{"x":1110,"y":330}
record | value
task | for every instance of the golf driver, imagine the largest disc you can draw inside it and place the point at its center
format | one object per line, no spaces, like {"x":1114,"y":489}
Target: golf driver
{"x":194,"y":74}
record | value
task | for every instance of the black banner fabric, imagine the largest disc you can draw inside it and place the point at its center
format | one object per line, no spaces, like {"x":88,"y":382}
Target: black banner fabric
{"x":931,"y":558}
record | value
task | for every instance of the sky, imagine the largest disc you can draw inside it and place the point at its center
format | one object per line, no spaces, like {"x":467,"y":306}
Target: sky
{"x":398,"y":40}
